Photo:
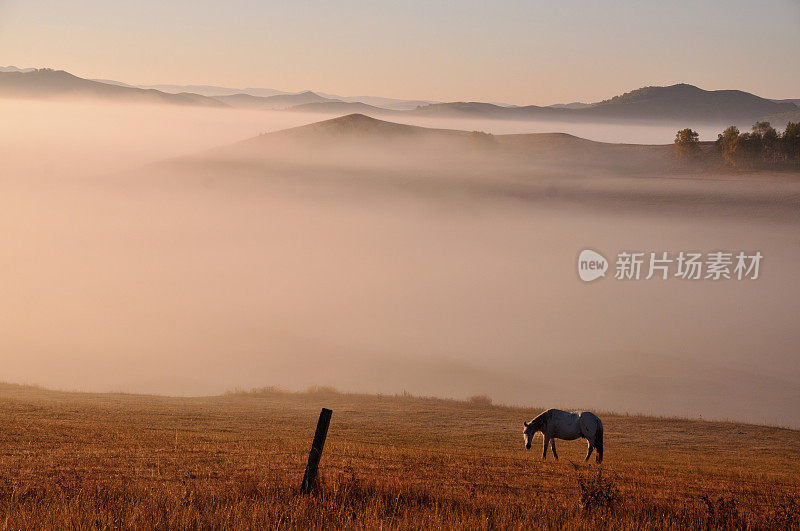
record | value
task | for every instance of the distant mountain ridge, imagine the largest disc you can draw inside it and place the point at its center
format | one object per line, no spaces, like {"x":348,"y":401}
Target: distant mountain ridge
{"x":213,"y":90}
{"x":682,"y":103}
{"x":15,"y":69}
{"x":53,"y":84}
{"x":392,"y":104}
{"x":216,"y":91}
{"x":344,"y":107}
{"x":573,"y":105}
{"x":676,"y":103}
{"x":277,"y":101}
{"x":795,"y":101}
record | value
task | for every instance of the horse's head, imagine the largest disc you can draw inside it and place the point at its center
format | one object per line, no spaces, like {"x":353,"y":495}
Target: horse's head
{"x":528,"y":433}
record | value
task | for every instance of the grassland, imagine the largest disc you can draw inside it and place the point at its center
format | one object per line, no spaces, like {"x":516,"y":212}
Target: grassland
{"x":82,"y":461}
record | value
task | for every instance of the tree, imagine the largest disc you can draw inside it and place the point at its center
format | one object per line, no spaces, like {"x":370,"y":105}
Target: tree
{"x":770,"y":141}
{"x":687,"y":144}
{"x":727,"y":144}
{"x":762,"y":147}
{"x":791,"y":141}
{"x":747,"y":150}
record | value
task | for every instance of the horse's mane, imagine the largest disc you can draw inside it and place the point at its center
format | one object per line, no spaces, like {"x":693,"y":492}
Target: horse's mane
{"x":539,"y":421}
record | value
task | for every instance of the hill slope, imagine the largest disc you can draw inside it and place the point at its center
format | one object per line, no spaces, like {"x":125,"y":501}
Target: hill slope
{"x":283,"y":101}
{"x":358,"y":138}
{"x":213,"y":90}
{"x":676,"y":103}
{"x":343,"y":107}
{"x":277,"y":101}
{"x":687,"y":102}
{"x":357,"y":152}
{"x":52,"y":84}
{"x":236,"y":461}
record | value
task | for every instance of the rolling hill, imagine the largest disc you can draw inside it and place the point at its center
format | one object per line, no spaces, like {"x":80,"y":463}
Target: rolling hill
{"x":352,"y":127}
{"x":283,"y":101}
{"x":680,"y":103}
{"x":277,"y":101}
{"x":393,"y":104}
{"x":213,"y":90}
{"x":244,"y":101}
{"x":343,"y":107}
{"x":15,"y":69}
{"x":784,"y":117}
{"x":573,"y":105}
{"x":392,"y":461}
{"x":795,"y":101}
{"x":687,"y":102}
{"x":57,"y":84}
{"x":365,"y":137}
{"x":358,"y":152}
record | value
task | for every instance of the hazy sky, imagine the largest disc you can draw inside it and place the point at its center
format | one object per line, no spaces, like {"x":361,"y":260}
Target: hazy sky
{"x":524,"y":52}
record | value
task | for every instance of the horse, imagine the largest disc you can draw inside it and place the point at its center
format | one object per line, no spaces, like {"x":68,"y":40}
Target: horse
{"x":556,"y":424}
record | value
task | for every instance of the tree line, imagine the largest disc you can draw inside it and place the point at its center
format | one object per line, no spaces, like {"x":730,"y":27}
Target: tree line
{"x":761,"y":147}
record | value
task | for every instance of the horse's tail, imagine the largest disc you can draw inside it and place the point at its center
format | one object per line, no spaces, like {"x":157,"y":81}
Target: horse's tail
{"x":598,"y":440}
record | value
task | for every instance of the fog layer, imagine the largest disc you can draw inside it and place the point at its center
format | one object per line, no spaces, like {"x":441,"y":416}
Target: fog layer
{"x":228,"y":270}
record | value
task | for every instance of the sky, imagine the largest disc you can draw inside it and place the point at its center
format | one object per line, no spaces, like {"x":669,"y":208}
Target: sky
{"x":520,"y":52}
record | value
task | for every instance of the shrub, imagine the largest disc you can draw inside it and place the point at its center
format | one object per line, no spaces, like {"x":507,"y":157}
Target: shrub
{"x":722,"y":512}
{"x":598,"y":493}
{"x":480,"y":400}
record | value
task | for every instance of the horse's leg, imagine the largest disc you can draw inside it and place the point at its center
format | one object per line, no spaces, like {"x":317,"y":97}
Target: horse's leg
{"x":546,"y":442}
{"x":589,"y":453}
{"x":553,"y":444}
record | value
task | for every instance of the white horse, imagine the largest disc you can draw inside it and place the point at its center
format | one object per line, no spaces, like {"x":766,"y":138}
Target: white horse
{"x":556,"y":424}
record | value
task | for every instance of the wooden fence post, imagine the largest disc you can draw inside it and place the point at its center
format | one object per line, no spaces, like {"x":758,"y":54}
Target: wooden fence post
{"x":310,"y":476}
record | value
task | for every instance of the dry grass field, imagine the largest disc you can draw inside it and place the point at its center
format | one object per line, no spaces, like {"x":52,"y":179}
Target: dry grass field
{"x":83,"y":461}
